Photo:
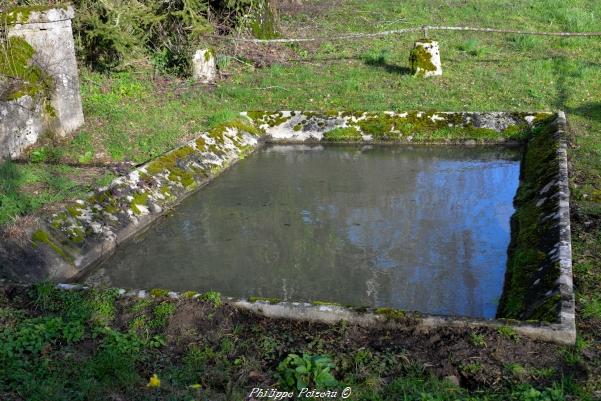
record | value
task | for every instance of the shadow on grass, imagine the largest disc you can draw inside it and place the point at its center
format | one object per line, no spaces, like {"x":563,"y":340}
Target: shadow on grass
{"x":588,"y":110}
{"x":380,"y":62}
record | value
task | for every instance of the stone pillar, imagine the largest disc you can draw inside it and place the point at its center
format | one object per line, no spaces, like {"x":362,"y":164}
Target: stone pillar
{"x":49,"y":32}
{"x":204,"y":68}
{"x":425,"y":58}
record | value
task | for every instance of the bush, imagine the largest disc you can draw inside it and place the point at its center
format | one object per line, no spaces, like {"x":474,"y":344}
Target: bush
{"x":114,"y":34}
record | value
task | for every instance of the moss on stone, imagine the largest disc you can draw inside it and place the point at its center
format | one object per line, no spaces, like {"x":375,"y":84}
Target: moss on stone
{"x":16,"y":63}
{"x":74,"y":210}
{"x":21,"y":14}
{"x":391,"y":314}
{"x":421,"y":61}
{"x":257,"y":115}
{"x":326,"y":303}
{"x":242,"y":126}
{"x":209,"y":54}
{"x":379,"y":127}
{"x":528,"y":260}
{"x":166,"y":191}
{"x":42,"y":237}
{"x":76,"y":235}
{"x":139,"y":199}
{"x":271,"y":300}
{"x":159,"y":292}
{"x":347,"y":134}
{"x":520,"y":132}
{"x":171,"y":163}
{"x":271,"y":119}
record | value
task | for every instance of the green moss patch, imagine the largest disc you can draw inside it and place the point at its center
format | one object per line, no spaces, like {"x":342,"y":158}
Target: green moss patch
{"x":342,"y":135}
{"x":139,"y":199}
{"x":16,"y":64}
{"x":209,"y":54}
{"x":326,"y":303}
{"x":42,"y":237}
{"x":391,"y":314}
{"x":21,"y":14}
{"x":263,"y":22}
{"x":159,"y":292}
{"x":531,"y":274}
{"x":272,"y":300}
{"x":421,"y":61}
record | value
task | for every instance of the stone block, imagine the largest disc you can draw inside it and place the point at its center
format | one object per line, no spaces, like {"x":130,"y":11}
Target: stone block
{"x":425,"y":58}
{"x":204,"y":66}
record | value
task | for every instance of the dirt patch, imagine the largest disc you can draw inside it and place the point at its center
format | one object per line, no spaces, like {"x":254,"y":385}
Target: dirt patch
{"x":307,"y":7}
{"x":245,"y":54}
{"x":495,"y":361}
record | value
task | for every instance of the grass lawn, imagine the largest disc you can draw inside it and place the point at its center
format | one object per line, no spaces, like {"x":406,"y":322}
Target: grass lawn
{"x":133,"y":116}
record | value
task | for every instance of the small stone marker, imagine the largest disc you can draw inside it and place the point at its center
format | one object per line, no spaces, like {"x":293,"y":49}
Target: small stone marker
{"x":204,"y":67}
{"x":425,"y":59}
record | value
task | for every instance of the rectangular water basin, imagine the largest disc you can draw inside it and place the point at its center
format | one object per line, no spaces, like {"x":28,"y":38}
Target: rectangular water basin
{"x":421,"y":228}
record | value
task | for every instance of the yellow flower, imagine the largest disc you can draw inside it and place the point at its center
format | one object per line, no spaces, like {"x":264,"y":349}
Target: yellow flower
{"x":154,"y":381}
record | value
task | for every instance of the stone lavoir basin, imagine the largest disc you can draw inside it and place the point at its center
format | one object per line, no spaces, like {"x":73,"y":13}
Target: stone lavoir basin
{"x":422,"y":228}
{"x":414,"y":218}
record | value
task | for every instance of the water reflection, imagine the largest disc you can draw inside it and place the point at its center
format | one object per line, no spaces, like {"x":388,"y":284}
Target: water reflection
{"x":418,"y":228}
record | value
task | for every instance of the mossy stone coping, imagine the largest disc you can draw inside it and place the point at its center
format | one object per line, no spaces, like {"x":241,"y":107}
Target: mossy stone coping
{"x":408,"y":127}
{"x":88,"y":229}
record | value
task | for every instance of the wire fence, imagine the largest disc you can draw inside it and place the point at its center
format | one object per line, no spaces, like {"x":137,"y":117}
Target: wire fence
{"x":425,"y":29}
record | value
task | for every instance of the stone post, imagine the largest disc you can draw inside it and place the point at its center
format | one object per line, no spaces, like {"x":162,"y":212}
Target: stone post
{"x":425,"y":58}
{"x":204,"y":68}
{"x":49,"y":32}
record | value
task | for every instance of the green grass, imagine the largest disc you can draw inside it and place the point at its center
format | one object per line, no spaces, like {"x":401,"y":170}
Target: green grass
{"x":25,"y":188}
{"x":131,"y":117}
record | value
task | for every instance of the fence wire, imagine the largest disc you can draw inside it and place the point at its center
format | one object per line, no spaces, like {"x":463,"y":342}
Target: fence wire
{"x":424,"y":29}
